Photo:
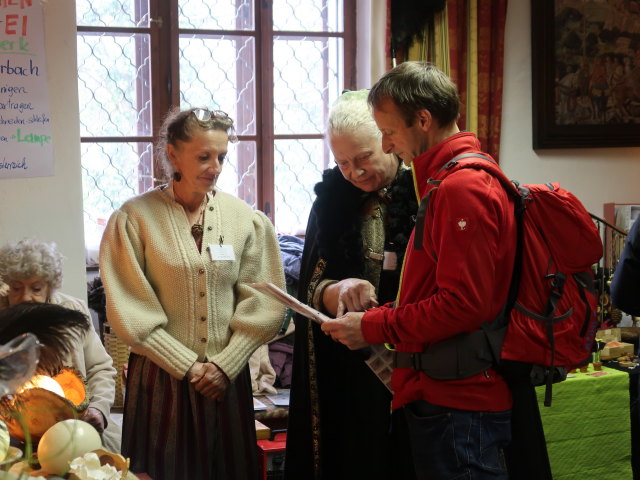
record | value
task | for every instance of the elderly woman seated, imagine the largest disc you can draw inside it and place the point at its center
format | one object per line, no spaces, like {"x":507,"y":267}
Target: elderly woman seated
{"x":33,"y":271}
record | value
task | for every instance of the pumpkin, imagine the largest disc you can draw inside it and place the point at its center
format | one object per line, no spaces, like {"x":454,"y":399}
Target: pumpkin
{"x":40,"y":408}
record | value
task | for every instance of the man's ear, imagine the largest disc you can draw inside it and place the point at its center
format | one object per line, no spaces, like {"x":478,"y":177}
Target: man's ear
{"x":424,"y":119}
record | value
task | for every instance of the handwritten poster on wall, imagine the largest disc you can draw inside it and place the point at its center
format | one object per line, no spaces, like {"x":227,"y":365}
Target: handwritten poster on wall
{"x":25,"y":117}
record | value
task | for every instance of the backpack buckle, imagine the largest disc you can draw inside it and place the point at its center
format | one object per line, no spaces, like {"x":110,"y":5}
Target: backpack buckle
{"x":416,"y":360}
{"x":450,"y":164}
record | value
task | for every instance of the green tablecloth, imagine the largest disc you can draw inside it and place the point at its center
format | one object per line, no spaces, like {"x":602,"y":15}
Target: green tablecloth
{"x":587,"y":427}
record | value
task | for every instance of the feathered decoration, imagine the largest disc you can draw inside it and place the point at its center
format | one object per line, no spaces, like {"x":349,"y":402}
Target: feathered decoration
{"x":18,"y":363}
{"x":57,"y":329}
{"x":409,"y":18}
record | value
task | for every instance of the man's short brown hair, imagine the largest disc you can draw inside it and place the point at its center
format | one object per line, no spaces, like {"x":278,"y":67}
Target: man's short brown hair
{"x":414,"y":86}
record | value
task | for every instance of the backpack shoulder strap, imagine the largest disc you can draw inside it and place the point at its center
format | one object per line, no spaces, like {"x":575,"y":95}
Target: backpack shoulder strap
{"x":465,"y":160}
{"x":482,"y":162}
{"x":489,"y":165}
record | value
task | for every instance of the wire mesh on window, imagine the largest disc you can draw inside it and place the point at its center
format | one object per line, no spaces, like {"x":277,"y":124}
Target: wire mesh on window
{"x":112,"y":13}
{"x":298,"y":167}
{"x":111,"y":174}
{"x":113,"y":84}
{"x":308,"y":15}
{"x":239,"y":177}
{"x":307,"y":77}
{"x":218,"y":72}
{"x":216,"y":15}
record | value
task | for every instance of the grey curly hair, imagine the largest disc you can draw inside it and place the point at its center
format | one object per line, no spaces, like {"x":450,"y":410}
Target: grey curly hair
{"x":31,"y":257}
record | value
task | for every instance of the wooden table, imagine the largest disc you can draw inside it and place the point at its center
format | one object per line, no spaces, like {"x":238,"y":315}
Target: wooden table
{"x":262,"y":431}
{"x":275,"y":417}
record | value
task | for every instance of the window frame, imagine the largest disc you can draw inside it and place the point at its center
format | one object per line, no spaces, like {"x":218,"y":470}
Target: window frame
{"x":164,"y":36}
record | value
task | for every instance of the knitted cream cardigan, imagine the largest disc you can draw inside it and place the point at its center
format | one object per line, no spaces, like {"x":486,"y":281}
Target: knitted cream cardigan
{"x":176,"y":305}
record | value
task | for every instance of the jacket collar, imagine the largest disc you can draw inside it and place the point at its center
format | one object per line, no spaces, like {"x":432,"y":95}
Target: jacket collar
{"x":427,"y":164}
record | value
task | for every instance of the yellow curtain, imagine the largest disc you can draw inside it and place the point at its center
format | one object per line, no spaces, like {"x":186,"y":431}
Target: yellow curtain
{"x":434,"y":45}
{"x":472,"y":68}
{"x":434,"y":48}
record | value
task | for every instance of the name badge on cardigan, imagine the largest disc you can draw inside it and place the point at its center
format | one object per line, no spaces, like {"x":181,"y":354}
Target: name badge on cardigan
{"x":222,"y":253}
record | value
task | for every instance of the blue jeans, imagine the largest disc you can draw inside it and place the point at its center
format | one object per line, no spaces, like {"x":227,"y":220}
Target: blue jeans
{"x":450,"y":444}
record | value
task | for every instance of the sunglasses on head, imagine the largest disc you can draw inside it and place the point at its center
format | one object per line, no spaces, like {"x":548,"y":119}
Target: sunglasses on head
{"x":204,"y":114}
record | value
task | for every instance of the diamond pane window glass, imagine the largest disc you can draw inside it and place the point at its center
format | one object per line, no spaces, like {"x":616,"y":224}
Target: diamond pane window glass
{"x":238,"y":175}
{"x":274,"y":66}
{"x":298,"y":166}
{"x":307,"y":78}
{"x":114,"y":84}
{"x":111,"y":173}
{"x":112,"y":13}
{"x":218,"y":72}
{"x":216,"y":14}
{"x":308,"y":15}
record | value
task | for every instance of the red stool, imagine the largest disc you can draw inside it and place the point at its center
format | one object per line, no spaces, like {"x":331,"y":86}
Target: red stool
{"x":271,"y":456}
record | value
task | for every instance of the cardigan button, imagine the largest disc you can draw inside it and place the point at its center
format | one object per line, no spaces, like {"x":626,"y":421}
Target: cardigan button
{"x":203,"y":340}
{"x":201,"y":271}
{"x":209,"y":228}
{"x":204,"y":319}
{"x":211,"y":209}
{"x":202,"y":294}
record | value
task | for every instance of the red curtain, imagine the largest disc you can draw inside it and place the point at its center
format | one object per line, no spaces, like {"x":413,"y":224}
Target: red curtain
{"x":490,"y":21}
{"x":474,"y":59}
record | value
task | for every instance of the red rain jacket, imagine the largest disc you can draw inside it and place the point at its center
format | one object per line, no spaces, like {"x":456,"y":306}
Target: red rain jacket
{"x":455,"y":283}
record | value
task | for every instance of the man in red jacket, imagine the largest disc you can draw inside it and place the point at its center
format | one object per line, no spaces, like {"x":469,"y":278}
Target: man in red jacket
{"x":456,"y":279}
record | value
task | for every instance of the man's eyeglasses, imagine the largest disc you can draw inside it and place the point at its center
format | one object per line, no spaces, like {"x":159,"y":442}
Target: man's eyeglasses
{"x":204,"y":114}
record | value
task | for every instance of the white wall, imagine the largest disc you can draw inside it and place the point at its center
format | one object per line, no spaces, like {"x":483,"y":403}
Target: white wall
{"x":50,"y":208}
{"x":595,"y":175}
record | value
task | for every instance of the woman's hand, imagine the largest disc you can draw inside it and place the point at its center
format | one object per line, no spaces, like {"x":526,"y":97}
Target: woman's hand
{"x":94,"y":417}
{"x":208,"y":379}
{"x":349,"y":295}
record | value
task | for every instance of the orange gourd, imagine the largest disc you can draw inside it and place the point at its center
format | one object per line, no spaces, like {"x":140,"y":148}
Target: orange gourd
{"x":40,"y":408}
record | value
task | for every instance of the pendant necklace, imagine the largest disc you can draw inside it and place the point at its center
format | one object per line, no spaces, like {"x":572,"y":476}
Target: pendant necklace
{"x":197,"y":229}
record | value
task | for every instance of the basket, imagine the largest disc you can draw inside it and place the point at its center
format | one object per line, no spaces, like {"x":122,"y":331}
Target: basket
{"x":119,"y":352}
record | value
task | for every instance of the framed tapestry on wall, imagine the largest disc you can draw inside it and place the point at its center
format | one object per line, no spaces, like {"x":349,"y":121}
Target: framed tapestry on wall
{"x":585,"y":73}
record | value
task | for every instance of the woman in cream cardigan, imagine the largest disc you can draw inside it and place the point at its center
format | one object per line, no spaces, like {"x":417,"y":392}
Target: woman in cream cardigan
{"x":175,"y":262}
{"x":32,"y":269}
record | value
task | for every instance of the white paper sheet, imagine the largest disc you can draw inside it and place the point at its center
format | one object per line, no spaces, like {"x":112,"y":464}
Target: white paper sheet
{"x":380,"y":361}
